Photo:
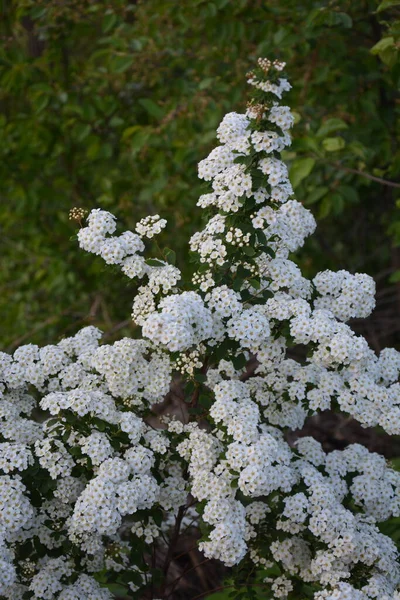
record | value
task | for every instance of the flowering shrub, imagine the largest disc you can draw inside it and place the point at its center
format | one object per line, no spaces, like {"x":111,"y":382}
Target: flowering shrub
{"x":91,"y":480}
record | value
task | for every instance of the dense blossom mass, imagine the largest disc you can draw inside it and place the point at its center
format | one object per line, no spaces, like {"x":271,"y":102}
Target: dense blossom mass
{"x":90,"y":477}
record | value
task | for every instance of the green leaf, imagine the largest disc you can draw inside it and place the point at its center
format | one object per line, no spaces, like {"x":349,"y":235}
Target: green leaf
{"x":345,"y":20}
{"x":117,"y":589}
{"x":108,"y":22}
{"x":249,"y":250}
{"x":255,"y":283}
{"x":350,"y":193}
{"x":237,"y":284}
{"x":387,"y":4}
{"x":157,"y":515}
{"x":40,"y":102}
{"x":300,"y":169}
{"x":205,"y":83}
{"x":243,"y":160}
{"x":357,"y":148}
{"x":80,"y":131}
{"x":38,"y":12}
{"x":330,"y":18}
{"x":316,"y":195}
{"x":154,"y":262}
{"x":239,"y":362}
{"x":138,"y":140}
{"x":205,"y":401}
{"x":395,"y":278}
{"x":152,"y":108}
{"x":325,"y":207}
{"x":383,"y":44}
{"x":120,"y":64}
{"x":330,"y":125}
{"x":75,"y":451}
{"x":333,"y":144}
{"x":200,"y":377}
{"x":170,"y":255}
{"x":129,"y":131}
{"x":100,"y":424}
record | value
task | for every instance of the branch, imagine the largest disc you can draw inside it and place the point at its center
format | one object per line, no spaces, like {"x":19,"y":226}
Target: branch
{"x":196,"y":393}
{"x":368,"y":176}
{"x":176,"y":581}
{"x":170,"y":552}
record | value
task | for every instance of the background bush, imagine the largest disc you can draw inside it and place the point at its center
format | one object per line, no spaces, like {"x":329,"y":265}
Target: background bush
{"x":112,"y":104}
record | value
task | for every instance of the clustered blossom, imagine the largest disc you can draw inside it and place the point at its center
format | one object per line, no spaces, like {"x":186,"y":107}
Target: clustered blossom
{"x":90,"y":474}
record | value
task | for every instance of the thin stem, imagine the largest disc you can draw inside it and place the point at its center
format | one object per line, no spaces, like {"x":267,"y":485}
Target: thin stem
{"x":368,"y":176}
{"x":171,"y":547}
{"x":196,"y":393}
{"x":176,"y":581}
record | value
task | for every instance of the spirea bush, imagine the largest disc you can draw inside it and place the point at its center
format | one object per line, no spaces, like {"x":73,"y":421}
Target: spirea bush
{"x":94,"y":482}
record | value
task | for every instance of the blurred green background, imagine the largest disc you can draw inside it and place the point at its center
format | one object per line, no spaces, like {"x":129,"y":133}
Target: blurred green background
{"x":113,"y":104}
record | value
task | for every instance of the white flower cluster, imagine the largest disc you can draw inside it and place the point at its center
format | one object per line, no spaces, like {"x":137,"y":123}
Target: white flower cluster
{"x":346,"y":296}
{"x":184,"y":321}
{"x":91,"y":476}
{"x":122,"y":487}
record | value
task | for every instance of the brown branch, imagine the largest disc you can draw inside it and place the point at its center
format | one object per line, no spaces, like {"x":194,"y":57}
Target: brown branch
{"x":117,"y":327}
{"x":196,"y":393}
{"x":368,"y":176}
{"x":251,"y":369}
{"x":176,"y":581}
{"x":170,"y":553}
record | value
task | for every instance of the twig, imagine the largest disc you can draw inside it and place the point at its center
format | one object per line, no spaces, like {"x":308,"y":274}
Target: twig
{"x":117,"y":327}
{"x":196,"y":393}
{"x":175,"y":582}
{"x":171,"y":548}
{"x":368,"y":176}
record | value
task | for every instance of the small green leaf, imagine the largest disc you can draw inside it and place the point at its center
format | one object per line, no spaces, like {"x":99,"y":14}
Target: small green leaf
{"x":239,"y":362}
{"x":119,"y":64}
{"x":108,"y":22}
{"x":80,"y":131}
{"x":129,"y":131}
{"x":117,"y":589}
{"x":316,"y":195}
{"x":170,"y":255}
{"x":138,"y":140}
{"x":237,"y":284}
{"x":243,"y":160}
{"x":205,"y":83}
{"x":350,"y":193}
{"x":333,"y":144}
{"x":300,"y":169}
{"x":395,"y":277}
{"x":157,"y":515}
{"x":40,"y":102}
{"x":331,"y":125}
{"x":325,"y":207}
{"x":152,"y":108}
{"x":345,"y":20}
{"x":205,"y":401}
{"x":387,"y":4}
{"x":75,"y":451}
{"x":383,"y":44}
{"x":200,"y":377}
{"x":154,"y":262}
{"x":255,"y":283}
{"x":249,"y":250}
